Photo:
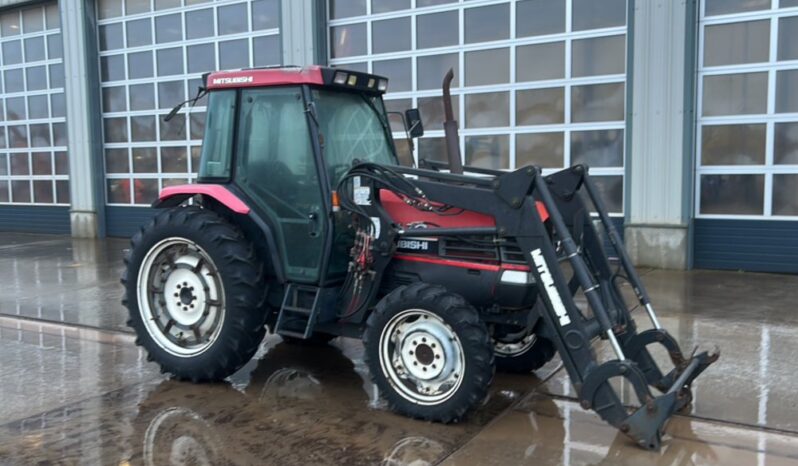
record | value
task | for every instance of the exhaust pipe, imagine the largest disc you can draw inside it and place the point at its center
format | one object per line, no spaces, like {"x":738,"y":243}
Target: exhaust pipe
{"x":450,"y":127}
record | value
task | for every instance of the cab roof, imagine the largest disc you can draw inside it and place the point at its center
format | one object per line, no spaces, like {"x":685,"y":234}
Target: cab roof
{"x":312,"y":75}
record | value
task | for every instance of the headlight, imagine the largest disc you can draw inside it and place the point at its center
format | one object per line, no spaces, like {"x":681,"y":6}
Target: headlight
{"x":340,"y":78}
{"x":517,"y":277}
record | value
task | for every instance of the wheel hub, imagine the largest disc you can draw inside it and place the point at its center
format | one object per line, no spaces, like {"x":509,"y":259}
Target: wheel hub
{"x":423,"y":355}
{"x":187,"y":301}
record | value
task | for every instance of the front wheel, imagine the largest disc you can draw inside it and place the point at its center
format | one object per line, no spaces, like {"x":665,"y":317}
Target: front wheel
{"x":194,"y":289}
{"x":429,"y":353}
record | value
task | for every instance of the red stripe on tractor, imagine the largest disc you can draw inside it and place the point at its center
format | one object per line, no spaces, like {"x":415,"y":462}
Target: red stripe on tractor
{"x":461,"y":264}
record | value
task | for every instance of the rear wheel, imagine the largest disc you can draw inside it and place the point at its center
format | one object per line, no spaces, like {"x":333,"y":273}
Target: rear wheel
{"x":194,"y":291}
{"x":429,"y":353}
{"x":523,"y":355}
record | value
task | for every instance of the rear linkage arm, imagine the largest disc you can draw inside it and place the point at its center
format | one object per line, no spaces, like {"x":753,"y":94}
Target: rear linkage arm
{"x":510,"y":198}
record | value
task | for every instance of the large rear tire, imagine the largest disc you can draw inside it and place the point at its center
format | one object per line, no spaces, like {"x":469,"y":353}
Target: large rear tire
{"x":194,"y":289}
{"x":429,"y":353}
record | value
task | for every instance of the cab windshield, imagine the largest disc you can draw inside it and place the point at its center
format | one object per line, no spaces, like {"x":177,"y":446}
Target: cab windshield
{"x":353,"y":127}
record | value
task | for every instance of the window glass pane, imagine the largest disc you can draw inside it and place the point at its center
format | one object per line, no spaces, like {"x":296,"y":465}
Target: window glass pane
{"x":37,"y":107}
{"x":9,"y":23}
{"x":43,"y":191}
{"x":397,"y":71}
{"x":488,"y":151}
{"x":384,"y":6}
{"x":168,"y":28}
{"x":232,"y":19}
{"x":20,"y":191}
{"x":56,"y":75}
{"x":119,"y":191}
{"x":234,"y":54}
{"x":139,"y":65}
{"x":539,"y":17}
{"x":111,"y":36}
{"x":724,"y":7}
{"x":14,"y":80}
{"x":201,"y":58}
{"x":610,"y":189}
{"x":62,"y":191}
{"x":431,"y":70}
{"x":196,"y":125}
{"x":736,"y":43}
{"x":145,"y":191}
{"x":114,"y":99}
{"x":139,"y":32}
{"x":733,"y":144}
{"x":42,"y":163}
{"x":199,"y":23}
{"x":487,"y":23}
{"x":33,"y":20}
{"x":144,"y":160}
{"x":347,"y":8}
{"x":53,"y":16}
{"x":59,"y":134}
{"x":735,"y":94}
{"x":4,"y":197}
{"x":61,"y":163}
{"x":431,"y":109}
{"x":12,"y":52}
{"x":437,"y":30}
{"x":347,"y":41}
{"x":133,"y":7}
{"x":484,"y":67}
{"x":112,"y":68}
{"x":490,"y":109}
{"x":785,"y":194}
{"x":540,"y":106}
{"x":390,"y":35}
{"x":785,"y":146}
{"x":15,"y":108}
{"x":597,"y":56}
{"x":34,"y":49}
{"x":592,"y":14}
{"x":597,"y":102}
{"x":174,"y":129}
{"x":37,"y":78}
{"x":788,"y":3}
{"x":423,"y":3}
{"x":142,"y":128}
{"x":219,"y":135}
{"x":732,"y":194}
{"x":788,"y":38}
{"x":3,"y":164}
{"x":540,"y":61}
{"x":116,"y":161}
{"x":170,"y":61}
{"x":54,"y":46}
{"x":399,"y":105}
{"x":267,"y":51}
{"x":109,"y":8}
{"x":19,"y":164}
{"x":174,"y":160}
{"x":3,"y":145}
{"x":166,"y":4}
{"x":58,"y":105}
{"x":142,"y":97}
{"x":787,"y":91}
{"x":599,"y":148}
{"x":265,"y":14}
{"x":541,"y":149}
{"x":115,"y":129}
{"x":170,"y":94}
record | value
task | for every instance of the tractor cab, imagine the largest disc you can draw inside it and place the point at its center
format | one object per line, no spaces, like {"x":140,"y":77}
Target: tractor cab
{"x":281,"y":139}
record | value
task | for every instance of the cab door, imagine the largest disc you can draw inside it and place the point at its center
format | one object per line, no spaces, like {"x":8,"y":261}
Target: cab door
{"x":275,"y":166}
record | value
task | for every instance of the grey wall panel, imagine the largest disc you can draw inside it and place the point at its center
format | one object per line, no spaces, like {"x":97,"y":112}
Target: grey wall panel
{"x":750,"y":245}
{"x":124,"y":222}
{"x":35,"y":219}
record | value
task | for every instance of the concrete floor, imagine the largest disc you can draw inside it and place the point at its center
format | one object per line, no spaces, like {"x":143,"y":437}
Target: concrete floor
{"x":77,"y":391}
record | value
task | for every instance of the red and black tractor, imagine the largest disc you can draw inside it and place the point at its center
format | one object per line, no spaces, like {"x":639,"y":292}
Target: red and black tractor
{"x":306,"y":221}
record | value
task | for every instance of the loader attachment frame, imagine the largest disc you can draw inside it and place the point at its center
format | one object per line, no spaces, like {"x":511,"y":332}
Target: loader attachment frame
{"x":569,"y":235}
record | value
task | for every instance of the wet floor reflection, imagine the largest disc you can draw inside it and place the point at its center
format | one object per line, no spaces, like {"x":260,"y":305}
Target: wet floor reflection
{"x":296,"y":405}
{"x":546,"y":431}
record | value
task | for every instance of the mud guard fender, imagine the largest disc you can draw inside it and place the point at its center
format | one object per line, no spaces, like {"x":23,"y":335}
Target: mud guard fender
{"x":173,"y":196}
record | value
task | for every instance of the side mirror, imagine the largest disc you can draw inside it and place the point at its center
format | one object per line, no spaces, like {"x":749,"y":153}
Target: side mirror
{"x":413,"y":120}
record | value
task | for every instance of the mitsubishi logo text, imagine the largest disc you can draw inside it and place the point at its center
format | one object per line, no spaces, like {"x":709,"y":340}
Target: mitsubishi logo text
{"x":551,"y":290}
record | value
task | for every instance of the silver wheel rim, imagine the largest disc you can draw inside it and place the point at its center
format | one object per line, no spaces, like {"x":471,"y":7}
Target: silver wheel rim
{"x":422,"y":357}
{"x":180,"y":297}
{"x":514,"y":348}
